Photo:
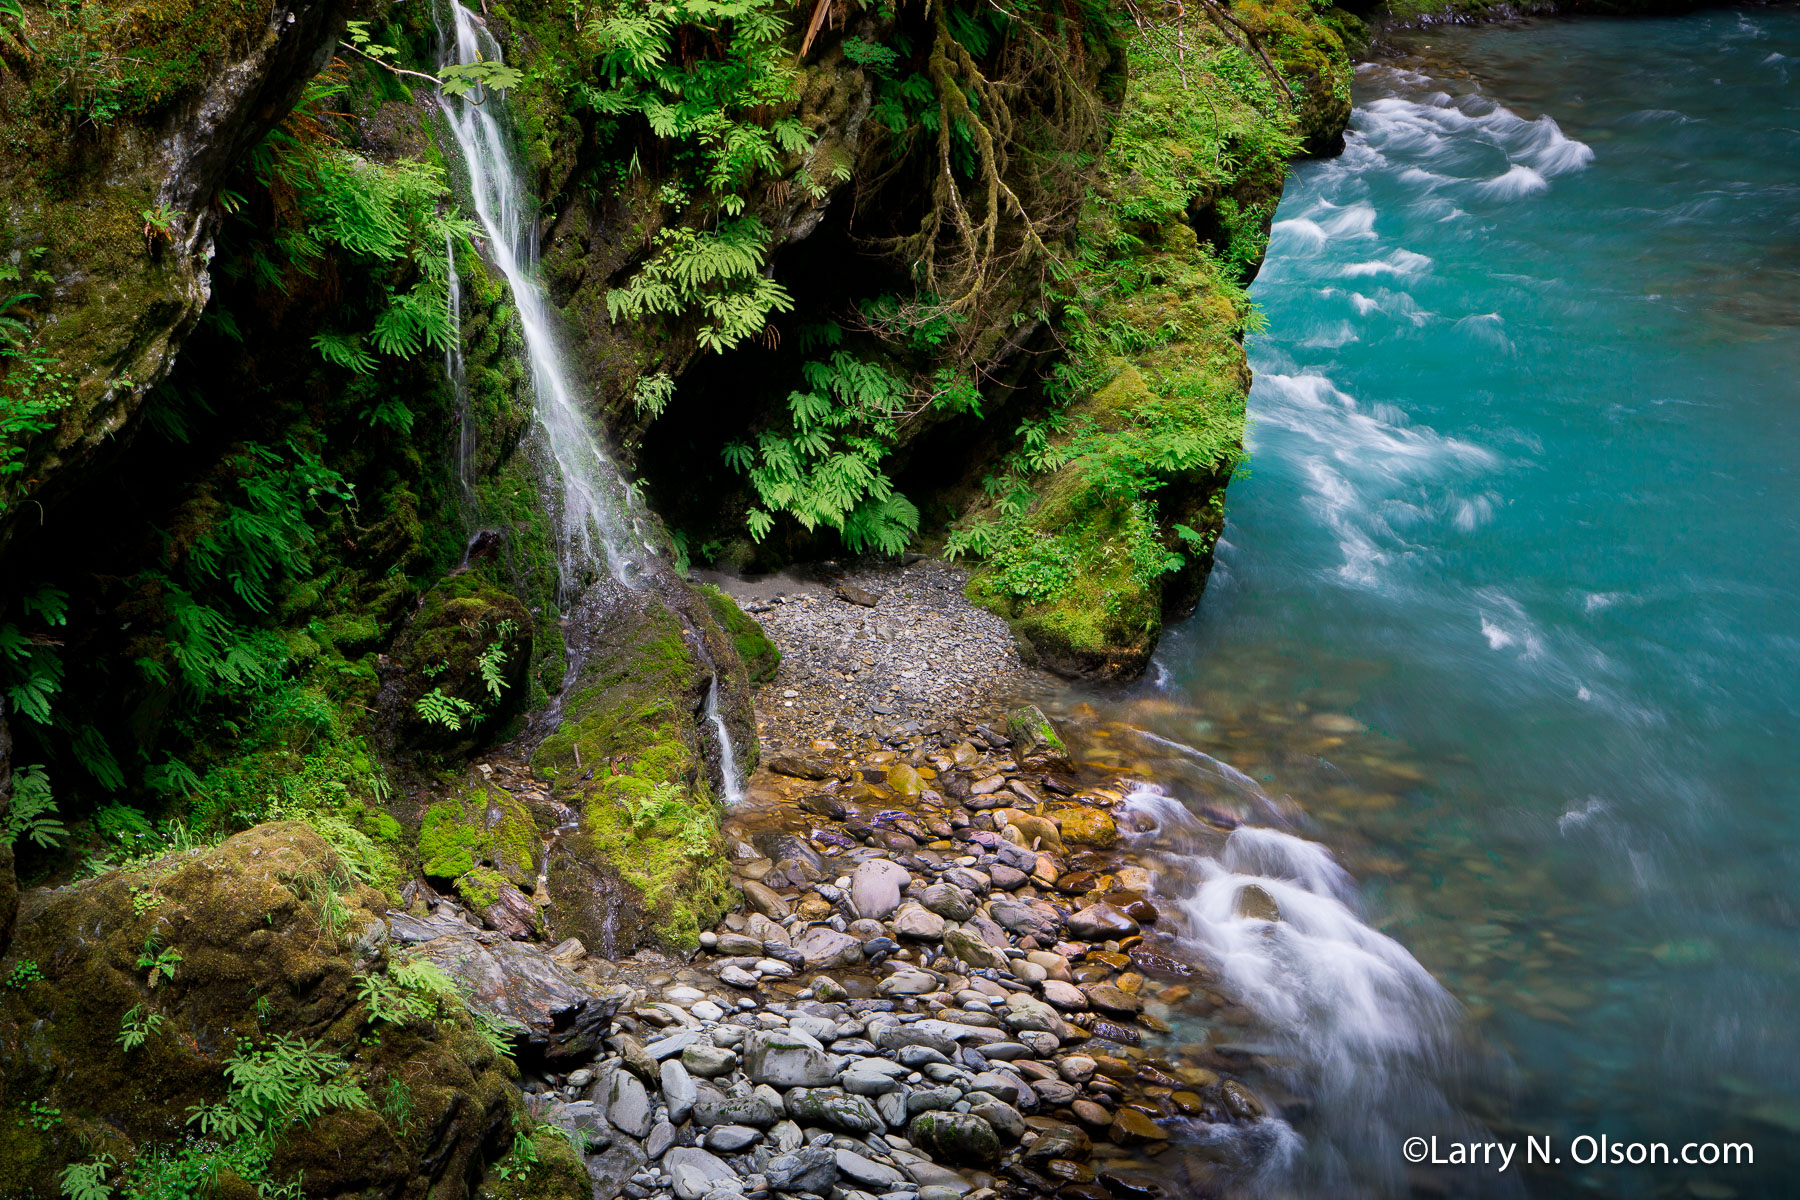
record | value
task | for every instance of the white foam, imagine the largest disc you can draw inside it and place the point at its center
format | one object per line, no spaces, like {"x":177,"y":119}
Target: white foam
{"x":1347,"y":998}
{"x":1519,"y":180}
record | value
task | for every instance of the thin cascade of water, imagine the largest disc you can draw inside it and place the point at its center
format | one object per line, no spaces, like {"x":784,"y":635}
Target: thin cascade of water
{"x":603,"y":531}
{"x":728,"y":768}
{"x":599,"y":528}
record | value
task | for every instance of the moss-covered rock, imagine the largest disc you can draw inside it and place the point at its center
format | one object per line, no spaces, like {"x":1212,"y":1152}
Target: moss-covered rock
{"x":629,"y":755}
{"x":1118,"y":533}
{"x":552,"y":1170}
{"x":760,"y":656}
{"x":462,"y":666}
{"x":265,"y":934}
{"x":482,"y":841}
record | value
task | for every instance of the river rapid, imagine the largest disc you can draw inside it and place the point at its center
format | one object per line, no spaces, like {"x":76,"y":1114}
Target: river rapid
{"x":1501,"y":659}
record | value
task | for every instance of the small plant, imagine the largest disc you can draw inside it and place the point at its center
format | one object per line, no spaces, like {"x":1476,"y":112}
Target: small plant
{"x":137,"y":1027}
{"x":263,"y":1007}
{"x":39,"y":1116}
{"x":452,"y":712}
{"x":24,"y":971}
{"x":493,"y":660}
{"x":87,"y":1181}
{"x":397,"y":1105}
{"x":869,"y":54}
{"x":145,"y":899}
{"x":520,"y":1160}
{"x":159,"y":224}
{"x":159,"y":961}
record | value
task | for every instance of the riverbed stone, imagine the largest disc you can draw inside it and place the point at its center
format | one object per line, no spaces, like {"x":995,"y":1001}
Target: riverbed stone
{"x":866,"y":1171}
{"x":875,"y":888}
{"x":1100,"y":922}
{"x":1084,"y":826}
{"x":1255,"y":903}
{"x":824,"y":949}
{"x":907,"y":982}
{"x":766,"y":900}
{"x":967,"y":947}
{"x":833,"y":1108}
{"x":809,"y":1169}
{"x":1110,"y":999}
{"x":918,"y":923}
{"x":698,"y":1168}
{"x":1130,"y":1127}
{"x":628,"y":1104}
{"x":959,"y":1139}
{"x":708,"y":1061}
{"x":787,"y":1058}
{"x":730,"y":1139}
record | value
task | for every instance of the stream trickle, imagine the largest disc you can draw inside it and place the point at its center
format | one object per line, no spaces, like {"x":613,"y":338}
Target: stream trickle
{"x":1501,"y":649}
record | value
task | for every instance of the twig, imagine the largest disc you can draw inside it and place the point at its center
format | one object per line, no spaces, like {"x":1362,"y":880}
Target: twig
{"x":391,"y":66}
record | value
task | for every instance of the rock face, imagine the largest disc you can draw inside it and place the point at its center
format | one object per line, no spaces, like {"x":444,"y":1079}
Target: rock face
{"x":120,"y":303}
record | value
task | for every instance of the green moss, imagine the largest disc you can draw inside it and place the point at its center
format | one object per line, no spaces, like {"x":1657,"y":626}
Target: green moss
{"x":558,"y":1173}
{"x":266,"y":924}
{"x":760,"y":656}
{"x":481,"y":887}
{"x":628,"y":748}
{"x":447,"y":841}
{"x":485,"y":834}
{"x":1092,"y":539}
{"x":469,"y":645}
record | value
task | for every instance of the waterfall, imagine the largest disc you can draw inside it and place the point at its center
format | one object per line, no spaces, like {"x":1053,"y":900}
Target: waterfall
{"x":734,"y":789}
{"x":602,"y":531}
{"x":599,"y":528}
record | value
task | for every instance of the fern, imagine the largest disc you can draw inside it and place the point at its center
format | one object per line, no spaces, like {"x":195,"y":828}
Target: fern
{"x":32,"y":813}
{"x":491,"y":663}
{"x":715,"y":274}
{"x":825,"y":469}
{"x":705,"y":103}
{"x":286,"y":1083}
{"x":652,"y":394}
{"x":439,"y":708}
{"x":137,"y":1027}
{"x":30,"y":668}
{"x":389,"y":1002}
{"x":500,"y":1033}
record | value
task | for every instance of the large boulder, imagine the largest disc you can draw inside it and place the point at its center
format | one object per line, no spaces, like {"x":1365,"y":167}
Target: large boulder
{"x":645,"y":860}
{"x":559,"y":1015}
{"x":266,"y":936}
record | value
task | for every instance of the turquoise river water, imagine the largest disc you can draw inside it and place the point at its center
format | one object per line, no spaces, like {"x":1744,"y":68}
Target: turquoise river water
{"x":1506,"y":621}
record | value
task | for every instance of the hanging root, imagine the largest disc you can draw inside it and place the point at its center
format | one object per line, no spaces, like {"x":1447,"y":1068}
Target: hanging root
{"x":1227,"y":23}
